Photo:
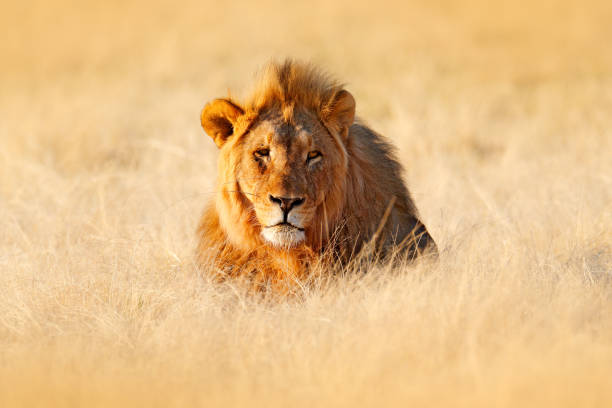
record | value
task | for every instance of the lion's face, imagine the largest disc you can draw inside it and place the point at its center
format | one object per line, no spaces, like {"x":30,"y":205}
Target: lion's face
{"x":286,"y":172}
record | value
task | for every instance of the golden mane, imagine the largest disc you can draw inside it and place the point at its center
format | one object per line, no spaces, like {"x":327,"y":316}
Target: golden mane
{"x":293,"y":84}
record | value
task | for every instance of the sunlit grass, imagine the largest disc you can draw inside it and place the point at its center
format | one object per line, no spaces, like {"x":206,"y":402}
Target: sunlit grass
{"x":501,"y":114}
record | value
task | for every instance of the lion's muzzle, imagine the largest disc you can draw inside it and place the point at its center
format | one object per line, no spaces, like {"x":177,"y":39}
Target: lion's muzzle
{"x":284,"y":235}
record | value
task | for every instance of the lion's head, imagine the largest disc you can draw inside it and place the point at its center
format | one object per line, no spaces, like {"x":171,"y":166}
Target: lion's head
{"x":283,"y":159}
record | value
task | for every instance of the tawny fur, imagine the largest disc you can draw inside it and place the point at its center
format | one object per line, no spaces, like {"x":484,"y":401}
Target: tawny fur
{"x":358,"y":199}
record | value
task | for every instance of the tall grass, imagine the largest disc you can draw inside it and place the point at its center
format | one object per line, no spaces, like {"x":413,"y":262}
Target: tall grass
{"x":502,"y":117}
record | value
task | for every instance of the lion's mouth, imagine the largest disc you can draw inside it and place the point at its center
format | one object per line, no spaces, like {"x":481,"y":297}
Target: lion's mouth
{"x":285,"y":225}
{"x":284,"y":235}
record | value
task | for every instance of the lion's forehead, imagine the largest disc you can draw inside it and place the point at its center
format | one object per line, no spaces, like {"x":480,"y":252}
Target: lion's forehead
{"x":290,"y":138}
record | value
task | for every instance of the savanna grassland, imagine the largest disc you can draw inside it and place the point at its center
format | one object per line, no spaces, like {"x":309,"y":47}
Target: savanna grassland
{"x":502,"y":114}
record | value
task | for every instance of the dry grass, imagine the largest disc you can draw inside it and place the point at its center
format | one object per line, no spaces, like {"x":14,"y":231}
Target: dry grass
{"x":502,"y":114}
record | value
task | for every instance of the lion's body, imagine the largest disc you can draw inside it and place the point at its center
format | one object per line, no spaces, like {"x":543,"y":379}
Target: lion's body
{"x":347,"y":196}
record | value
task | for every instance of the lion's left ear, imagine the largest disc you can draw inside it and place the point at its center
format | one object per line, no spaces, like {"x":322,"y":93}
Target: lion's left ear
{"x":219,"y":119}
{"x":340,"y":112}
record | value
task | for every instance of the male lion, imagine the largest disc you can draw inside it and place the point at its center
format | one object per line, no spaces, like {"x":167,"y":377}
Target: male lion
{"x":299,"y":177}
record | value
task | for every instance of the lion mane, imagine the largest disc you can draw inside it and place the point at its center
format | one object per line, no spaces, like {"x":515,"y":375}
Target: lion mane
{"x":365,"y":205}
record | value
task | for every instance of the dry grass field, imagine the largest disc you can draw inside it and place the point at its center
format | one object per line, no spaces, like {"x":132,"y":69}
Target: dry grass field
{"x":502,"y":113}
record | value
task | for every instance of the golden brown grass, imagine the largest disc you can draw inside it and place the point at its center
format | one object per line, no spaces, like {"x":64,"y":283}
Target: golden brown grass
{"x":502,"y":114}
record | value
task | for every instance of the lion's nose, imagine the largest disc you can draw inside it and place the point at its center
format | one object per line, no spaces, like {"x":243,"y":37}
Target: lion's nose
{"x":287,"y":203}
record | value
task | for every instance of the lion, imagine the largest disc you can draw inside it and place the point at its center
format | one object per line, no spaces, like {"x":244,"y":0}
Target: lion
{"x":302,"y":181}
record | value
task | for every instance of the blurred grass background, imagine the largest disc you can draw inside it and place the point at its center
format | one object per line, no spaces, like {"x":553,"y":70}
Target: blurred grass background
{"x":500,"y":110}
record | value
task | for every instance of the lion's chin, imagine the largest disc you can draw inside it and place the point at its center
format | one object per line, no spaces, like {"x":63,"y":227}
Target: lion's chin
{"x":283,"y":236}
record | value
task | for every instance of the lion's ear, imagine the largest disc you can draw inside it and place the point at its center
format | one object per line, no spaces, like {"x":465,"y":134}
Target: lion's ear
{"x":219,"y":118}
{"x":340,"y":112}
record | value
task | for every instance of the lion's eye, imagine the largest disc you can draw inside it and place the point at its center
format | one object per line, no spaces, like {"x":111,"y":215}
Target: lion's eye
{"x":313,"y":156}
{"x":261,"y":153}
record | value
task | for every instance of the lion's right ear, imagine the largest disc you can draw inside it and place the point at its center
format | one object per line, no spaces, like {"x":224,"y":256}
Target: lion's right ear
{"x":219,"y":118}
